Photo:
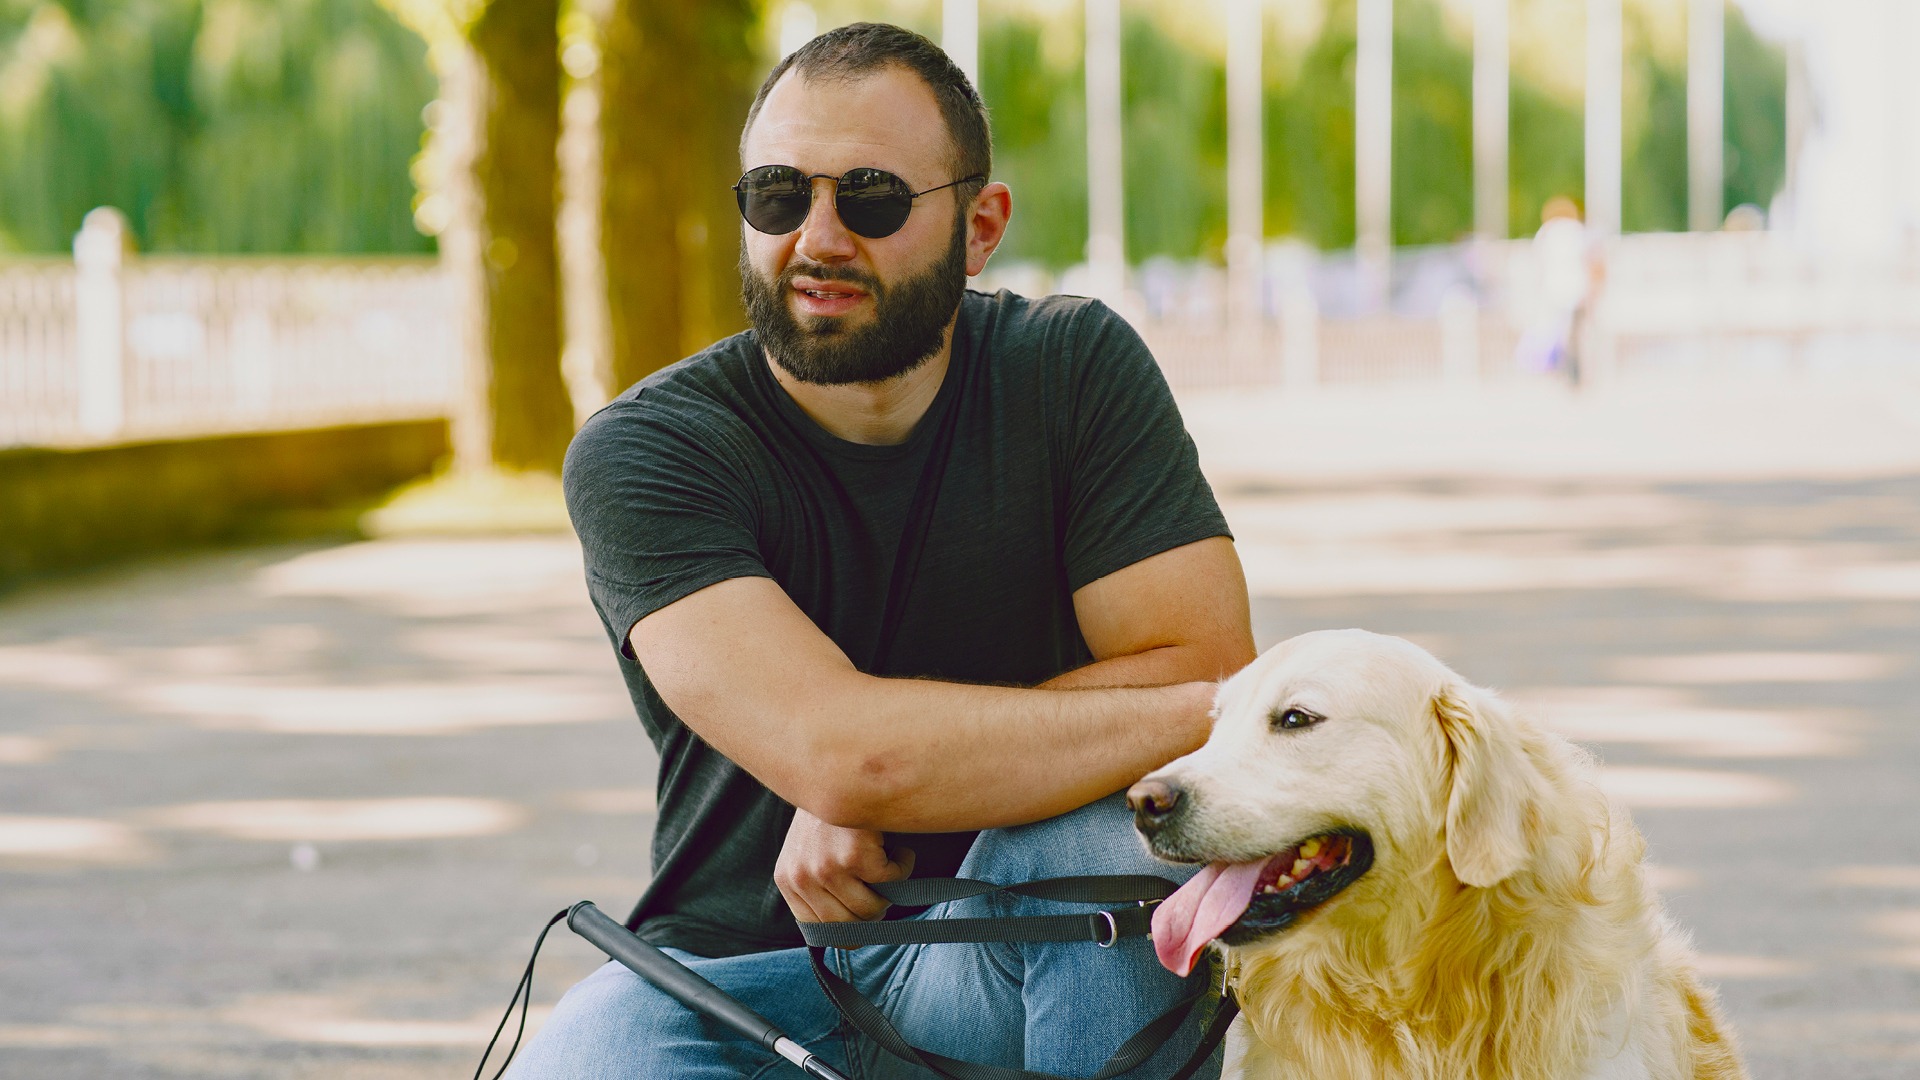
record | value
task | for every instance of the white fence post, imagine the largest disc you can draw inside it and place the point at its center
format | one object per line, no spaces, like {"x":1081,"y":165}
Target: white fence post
{"x":1106,"y":189}
{"x":1373,"y":151}
{"x":1605,"y":72}
{"x":100,"y":325}
{"x":960,"y":36}
{"x":1246,"y":229}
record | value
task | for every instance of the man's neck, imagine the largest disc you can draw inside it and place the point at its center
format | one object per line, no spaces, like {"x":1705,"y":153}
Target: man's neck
{"x":874,"y":414}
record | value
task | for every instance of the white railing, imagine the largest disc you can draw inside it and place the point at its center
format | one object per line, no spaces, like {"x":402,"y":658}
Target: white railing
{"x":1715,"y":306}
{"x":109,"y":348}
{"x":1751,"y":303}
{"x":39,"y":376}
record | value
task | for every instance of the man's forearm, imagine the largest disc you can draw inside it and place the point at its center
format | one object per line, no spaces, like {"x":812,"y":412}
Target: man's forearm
{"x":927,"y":756}
{"x":1154,"y":667}
{"x":759,"y":682}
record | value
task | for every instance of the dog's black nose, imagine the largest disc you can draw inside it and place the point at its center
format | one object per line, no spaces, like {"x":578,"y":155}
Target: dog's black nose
{"x":1152,"y":801}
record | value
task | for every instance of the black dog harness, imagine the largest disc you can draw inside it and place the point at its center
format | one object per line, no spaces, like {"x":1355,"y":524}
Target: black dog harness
{"x":1103,"y":928}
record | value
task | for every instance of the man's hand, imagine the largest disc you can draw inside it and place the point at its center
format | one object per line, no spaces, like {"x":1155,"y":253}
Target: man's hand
{"x":824,"y":870}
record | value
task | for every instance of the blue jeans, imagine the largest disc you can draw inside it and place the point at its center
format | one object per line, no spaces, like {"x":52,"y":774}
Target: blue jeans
{"x":1058,"y":1007}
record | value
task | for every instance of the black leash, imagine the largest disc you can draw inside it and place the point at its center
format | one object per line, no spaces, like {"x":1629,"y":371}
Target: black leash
{"x":1103,"y":928}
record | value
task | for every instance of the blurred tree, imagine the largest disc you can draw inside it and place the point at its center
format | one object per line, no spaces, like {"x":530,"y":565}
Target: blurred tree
{"x":516,"y":167}
{"x":1432,"y":127}
{"x":215,"y":125}
{"x":676,"y":80}
{"x":493,"y":189}
{"x":1175,"y":145}
{"x":1309,"y":122}
{"x":1547,"y":153}
{"x":1756,"y":134}
{"x":1653,"y":175}
{"x":1039,"y":118}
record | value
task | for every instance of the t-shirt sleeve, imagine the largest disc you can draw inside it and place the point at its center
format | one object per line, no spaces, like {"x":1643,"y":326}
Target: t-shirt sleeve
{"x":660,"y":511}
{"x":1134,"y":486}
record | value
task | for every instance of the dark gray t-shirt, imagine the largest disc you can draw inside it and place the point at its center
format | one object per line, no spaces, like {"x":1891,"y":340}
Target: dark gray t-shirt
{"x":1066,"y":462}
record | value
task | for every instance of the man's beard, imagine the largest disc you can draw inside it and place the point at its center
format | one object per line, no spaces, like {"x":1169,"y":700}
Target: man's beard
{"x":908,"y":327}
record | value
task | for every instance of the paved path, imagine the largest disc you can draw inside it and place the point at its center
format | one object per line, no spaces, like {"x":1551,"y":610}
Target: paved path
{"x":298,"y":811}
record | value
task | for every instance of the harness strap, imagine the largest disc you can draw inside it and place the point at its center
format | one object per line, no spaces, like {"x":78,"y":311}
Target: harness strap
{"x":1102,"y":927}
{"x":867,"y":1019}
{"x":1087,"y":889}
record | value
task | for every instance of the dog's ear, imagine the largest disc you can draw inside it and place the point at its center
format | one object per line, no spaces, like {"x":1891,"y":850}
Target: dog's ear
{"x":1495,"y":801}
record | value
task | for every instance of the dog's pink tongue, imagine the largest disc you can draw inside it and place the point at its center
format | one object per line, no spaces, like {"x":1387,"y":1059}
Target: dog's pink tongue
{"x":1199,"y":910}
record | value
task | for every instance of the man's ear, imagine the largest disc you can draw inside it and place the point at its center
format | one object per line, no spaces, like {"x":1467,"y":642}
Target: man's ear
{"x":1497,"y":793}
{"x":987,"y":221}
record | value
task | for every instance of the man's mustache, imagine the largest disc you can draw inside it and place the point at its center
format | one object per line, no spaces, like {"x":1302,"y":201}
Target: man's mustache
{"x":823,"y":272}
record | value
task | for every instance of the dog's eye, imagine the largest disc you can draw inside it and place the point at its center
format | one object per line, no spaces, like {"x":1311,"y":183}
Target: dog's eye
{"x":1294,"y":719}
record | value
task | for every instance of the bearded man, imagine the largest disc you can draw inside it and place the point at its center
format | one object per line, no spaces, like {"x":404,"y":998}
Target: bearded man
{"x":905,"y":580}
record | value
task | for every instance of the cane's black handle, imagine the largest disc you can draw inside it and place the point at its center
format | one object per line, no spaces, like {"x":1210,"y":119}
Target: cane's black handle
{"x":686,"y":987}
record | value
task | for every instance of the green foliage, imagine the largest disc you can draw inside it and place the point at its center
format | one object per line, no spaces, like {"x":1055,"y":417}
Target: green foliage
{"x":288,"y":125}
{"x":1756,"y":145}
{"x":1039,"y":122}
{"x":216,"y":125}
{"x":1432,"y":129}
{"x":1546,"y":153}
{"x":1653,"y":174}
{"x":1174,"y":146}
{"x":1309,"y":129}
{"x":1175,"y":136}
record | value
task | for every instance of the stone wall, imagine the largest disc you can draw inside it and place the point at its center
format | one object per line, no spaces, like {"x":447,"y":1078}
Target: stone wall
{"x":63,"y":509}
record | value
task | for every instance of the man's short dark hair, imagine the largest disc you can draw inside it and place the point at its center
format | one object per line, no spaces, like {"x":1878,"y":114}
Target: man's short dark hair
{"x":858,"y":49}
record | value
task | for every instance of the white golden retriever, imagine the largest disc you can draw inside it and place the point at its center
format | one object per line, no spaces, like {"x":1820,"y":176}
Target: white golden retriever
{"x":1409,"y":881}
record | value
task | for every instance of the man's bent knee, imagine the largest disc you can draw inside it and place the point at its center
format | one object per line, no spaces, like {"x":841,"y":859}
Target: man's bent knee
{"x":1098,"y":838}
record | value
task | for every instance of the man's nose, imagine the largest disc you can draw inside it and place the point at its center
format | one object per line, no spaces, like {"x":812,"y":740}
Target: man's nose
{"x":823,"y":237}
{"x":1153,"y":802}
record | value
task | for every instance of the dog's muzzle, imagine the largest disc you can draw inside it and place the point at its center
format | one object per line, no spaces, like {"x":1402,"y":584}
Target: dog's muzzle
{"x":1155,"y":804}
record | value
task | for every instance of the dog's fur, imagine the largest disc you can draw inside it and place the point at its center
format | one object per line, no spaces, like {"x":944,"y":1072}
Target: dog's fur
{"x":1505,"y":930}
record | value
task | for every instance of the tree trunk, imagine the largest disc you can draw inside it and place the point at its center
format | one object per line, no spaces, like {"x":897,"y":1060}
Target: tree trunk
{"x":676,"y":83}
{"x":515,"y":174}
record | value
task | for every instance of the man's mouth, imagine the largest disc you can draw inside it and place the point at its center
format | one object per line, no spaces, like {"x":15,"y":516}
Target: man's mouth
{"x":1239,"y":902}
{"x":826,"y":298}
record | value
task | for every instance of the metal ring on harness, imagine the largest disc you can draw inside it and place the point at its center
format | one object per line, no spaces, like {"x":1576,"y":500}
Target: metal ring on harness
{"x":1113,"y":929}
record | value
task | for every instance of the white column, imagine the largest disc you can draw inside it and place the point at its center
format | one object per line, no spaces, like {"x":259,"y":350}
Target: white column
{"x":1490,"y":124}
{"x":798,"y":25}
{"x":1706,"y":113}
{"x":1106,"y":207}
{"x":1902,"y":39}
{"x":1245,"y":225}
{"x":1373,"y":148}
{"x":960,"y":36}
{"x":1605,"y":60}
{"x":99,"y":250}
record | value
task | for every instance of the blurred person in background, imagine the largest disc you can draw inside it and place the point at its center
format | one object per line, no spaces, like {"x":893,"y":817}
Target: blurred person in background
{"x":905,"y":580}
{"x":1570,"y":275}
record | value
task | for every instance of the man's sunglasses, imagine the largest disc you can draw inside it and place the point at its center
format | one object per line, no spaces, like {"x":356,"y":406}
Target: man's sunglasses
{"x":871,"y":202}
